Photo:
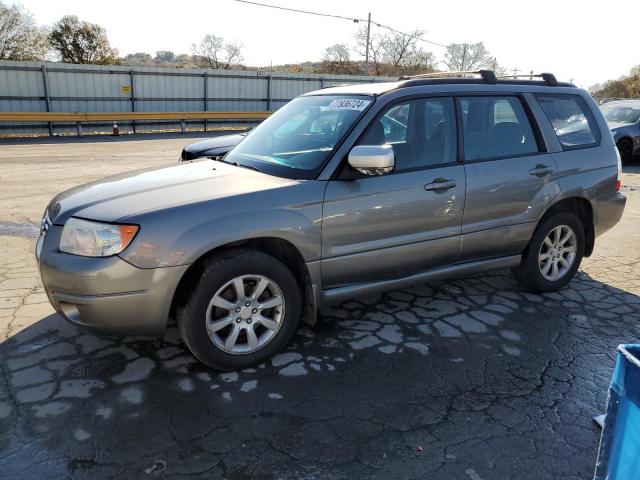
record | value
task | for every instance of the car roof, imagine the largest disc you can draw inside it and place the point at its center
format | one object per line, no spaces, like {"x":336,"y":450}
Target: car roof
{"x":445,"y":82}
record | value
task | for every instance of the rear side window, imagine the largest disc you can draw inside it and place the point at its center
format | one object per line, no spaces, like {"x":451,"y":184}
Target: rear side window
{"x":571,"y":119}
{"x":495,"y":127}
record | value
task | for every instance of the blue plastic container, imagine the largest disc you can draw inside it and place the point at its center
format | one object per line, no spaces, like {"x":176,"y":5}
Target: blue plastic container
{"x":619,"y":452}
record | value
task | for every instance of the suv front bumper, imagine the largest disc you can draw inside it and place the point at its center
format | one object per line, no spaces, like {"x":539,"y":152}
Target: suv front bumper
{"x":106,"y":294}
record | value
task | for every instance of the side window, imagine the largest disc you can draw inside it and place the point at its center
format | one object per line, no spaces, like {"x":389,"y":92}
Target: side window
{"x":395,"y":123}
{"x":422,"y":132}
{"x":495,"y":127}
{"x":571,"y":119}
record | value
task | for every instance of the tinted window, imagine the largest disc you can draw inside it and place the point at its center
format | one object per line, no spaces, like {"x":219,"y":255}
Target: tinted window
{"x":422,"y":132}
{"x":495,"y":127}
{"x":571,"y":119}
{"x":395,"y":123}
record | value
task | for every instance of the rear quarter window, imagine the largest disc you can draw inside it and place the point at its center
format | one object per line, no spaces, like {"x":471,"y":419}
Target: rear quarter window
{"x":572,"y":120}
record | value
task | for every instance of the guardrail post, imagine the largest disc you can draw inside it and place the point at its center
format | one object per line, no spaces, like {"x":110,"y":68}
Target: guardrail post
{"x":79,"y":128}
{"x":269,"y":93}
{"x":47,"y":100}
{"x":133,"y":98}
{"x":182,"y":126}
{"x":204,"y":98}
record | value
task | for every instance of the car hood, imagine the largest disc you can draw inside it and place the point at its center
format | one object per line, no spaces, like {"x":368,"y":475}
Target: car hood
{"x":221,"y":141}
{"x":614,"y":125}
{"x":119,"y":196}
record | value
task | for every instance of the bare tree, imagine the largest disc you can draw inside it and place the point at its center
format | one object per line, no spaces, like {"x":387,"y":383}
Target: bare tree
{"x":214,"y":53}
{"x":337,"y":59}
{"x":82,"y":42}
{"x":376,"y":43}
{"x":499,"y":69}
{"x":398,"y":47}
{"x":164,"y":56}
{"x":462,"y":57}
{"x":20,"y":37}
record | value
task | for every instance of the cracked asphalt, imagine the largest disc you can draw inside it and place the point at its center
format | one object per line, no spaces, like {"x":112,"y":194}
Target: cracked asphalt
{"x":466,"y":379}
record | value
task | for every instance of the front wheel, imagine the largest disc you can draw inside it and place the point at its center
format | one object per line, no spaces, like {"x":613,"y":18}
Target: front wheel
{"x":625,"y":147}
{"x":244,"y":309}
{"x":553,"y":255}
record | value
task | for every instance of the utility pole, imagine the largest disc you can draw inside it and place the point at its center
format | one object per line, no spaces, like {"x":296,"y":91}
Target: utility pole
{"x":464,"y":57}
{"x":531,"y":75}
{"x":515,"y":72}
{"x":366,"y":55}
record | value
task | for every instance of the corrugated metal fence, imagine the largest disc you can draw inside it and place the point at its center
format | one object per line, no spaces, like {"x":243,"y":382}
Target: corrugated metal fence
{"x":58,"y":87}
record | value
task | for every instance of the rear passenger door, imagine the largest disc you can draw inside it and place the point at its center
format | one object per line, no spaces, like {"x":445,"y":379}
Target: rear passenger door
{"x":508,"y":175}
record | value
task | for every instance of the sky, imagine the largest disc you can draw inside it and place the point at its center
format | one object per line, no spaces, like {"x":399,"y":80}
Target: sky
{"x":576,"y":40}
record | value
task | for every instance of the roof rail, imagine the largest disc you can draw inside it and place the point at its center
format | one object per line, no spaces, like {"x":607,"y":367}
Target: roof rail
{"x":549,"y":78}
{"x":487,"y":75}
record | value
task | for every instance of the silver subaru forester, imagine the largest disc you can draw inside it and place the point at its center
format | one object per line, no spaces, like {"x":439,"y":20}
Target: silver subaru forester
{"x":344,"y":191}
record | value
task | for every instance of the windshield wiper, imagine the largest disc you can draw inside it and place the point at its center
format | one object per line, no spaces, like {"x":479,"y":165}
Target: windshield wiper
{"x":223,"y":160}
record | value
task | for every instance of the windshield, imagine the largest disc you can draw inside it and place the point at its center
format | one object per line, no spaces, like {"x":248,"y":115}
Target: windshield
{"x":621,"y":114}
{"x":296,"y":141}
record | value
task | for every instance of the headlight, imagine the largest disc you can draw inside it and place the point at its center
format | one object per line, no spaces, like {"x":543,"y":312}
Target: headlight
{"x":95,"y":239}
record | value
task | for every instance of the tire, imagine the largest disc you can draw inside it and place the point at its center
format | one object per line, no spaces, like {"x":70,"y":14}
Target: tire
{"x":529,"y":273}
{"x":625,"y":147}
{"x":200,"y":316}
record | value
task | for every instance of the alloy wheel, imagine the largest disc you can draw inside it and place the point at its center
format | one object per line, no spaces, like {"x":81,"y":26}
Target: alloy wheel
{"x":557,"y":253}
{"x":245,"y":314}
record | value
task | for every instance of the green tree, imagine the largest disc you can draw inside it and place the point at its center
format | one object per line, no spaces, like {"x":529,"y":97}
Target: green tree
{"x":82,"y":42}
{"x":20,"y":37}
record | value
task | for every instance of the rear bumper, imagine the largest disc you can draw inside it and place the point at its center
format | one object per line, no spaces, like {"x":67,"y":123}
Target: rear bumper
{"x":608,"y":211}
{"x":106,"y":294}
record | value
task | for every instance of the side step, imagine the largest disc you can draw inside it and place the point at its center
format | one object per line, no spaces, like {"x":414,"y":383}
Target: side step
{"x":340,"y":294}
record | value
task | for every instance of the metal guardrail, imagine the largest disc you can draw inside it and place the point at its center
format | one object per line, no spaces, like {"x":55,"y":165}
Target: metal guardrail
{"x":83,"y":117}
{"x":126,"y":116}
{"x":139,"y":88}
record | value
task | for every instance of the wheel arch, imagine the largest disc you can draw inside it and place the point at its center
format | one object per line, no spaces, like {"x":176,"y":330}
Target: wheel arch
{"x":279,"y":248}
{"x":583,"y":209}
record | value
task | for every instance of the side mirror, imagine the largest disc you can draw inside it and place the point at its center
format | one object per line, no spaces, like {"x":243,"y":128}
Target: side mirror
{"x":372,"y":159}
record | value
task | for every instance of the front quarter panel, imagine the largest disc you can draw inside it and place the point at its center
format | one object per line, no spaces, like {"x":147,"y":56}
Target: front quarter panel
{"x":182,"y":234}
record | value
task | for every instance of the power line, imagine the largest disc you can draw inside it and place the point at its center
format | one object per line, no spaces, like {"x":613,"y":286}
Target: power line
{"x":407,"y":35}
{"x":342,"y":17}
{"x":307,"y":12}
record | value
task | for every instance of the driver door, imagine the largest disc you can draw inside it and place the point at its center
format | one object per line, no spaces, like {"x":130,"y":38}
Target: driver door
{"x":391,"y":226}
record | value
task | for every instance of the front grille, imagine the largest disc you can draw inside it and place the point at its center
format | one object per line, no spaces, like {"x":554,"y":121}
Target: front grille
{"x":45,"y":224}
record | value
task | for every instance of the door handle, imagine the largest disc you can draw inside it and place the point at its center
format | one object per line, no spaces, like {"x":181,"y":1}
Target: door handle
{"x":541,"y":170}
{"x":440,"y":184}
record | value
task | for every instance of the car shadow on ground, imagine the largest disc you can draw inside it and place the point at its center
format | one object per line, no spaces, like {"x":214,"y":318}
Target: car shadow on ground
{"x":464,"y":379}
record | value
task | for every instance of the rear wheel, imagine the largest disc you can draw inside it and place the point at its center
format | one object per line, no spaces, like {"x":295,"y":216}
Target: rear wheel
{"x":553,"y":255}
{"x":244,"y":309}
{"x":625,"y":147}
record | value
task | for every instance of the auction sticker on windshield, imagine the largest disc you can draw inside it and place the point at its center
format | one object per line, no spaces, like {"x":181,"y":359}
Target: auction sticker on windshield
{"x":348,"y":104}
